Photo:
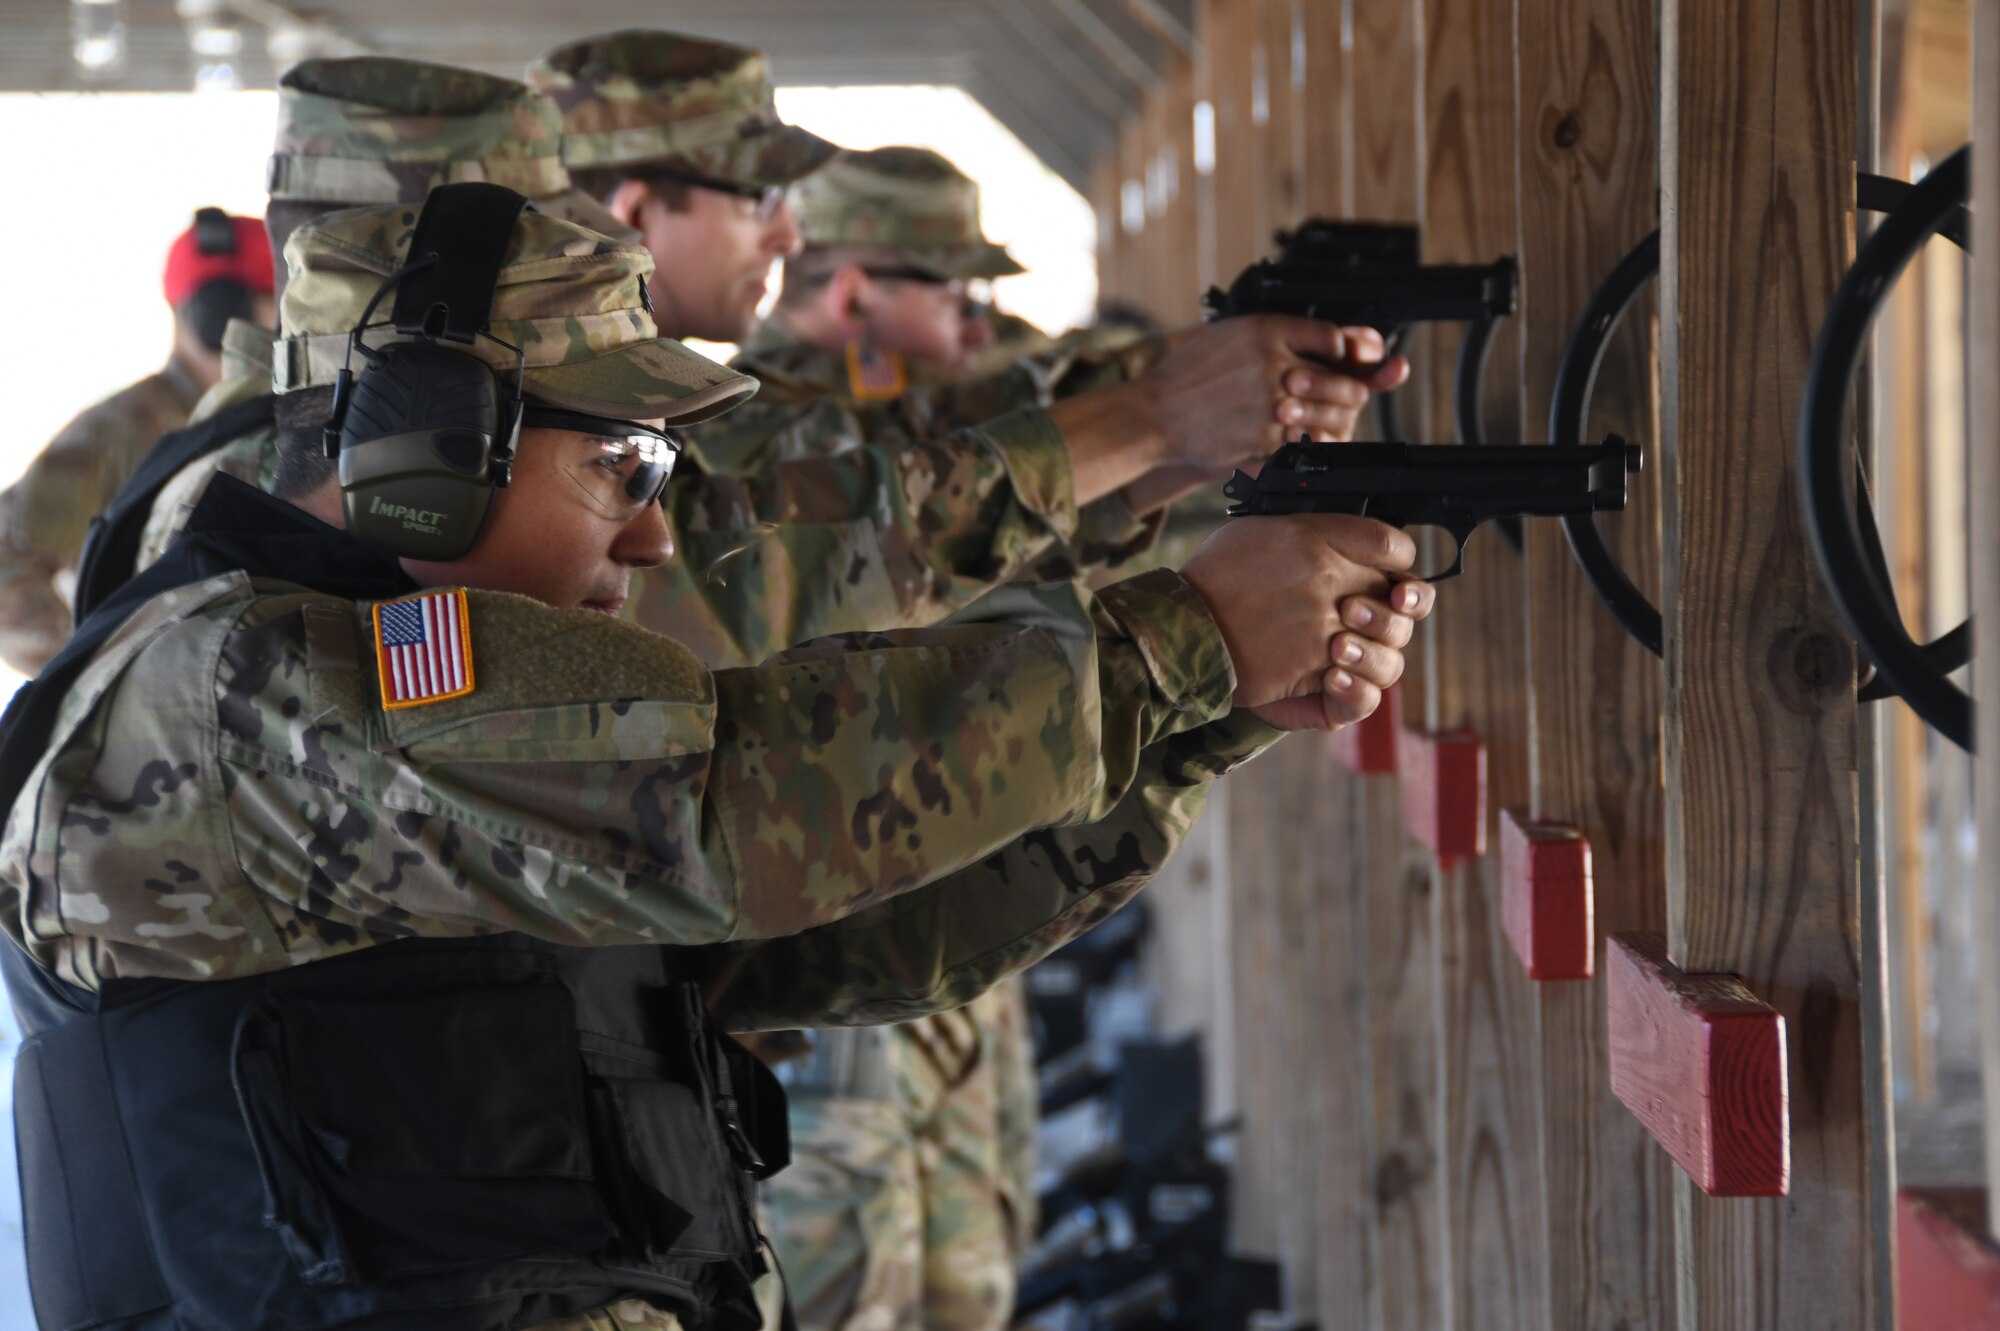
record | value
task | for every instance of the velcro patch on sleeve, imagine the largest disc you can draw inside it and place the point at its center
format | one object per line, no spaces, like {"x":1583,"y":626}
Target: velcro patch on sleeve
{"x":423,"y":648}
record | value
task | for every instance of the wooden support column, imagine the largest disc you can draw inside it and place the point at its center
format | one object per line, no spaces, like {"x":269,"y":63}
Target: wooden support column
{"x":1404,"y":1184}
{"x":1586,"y":80}
{"x":1476,"y":656}
{"x":1757,"y":169}
{"x":1983,"y":444}
{"x":1104,"y":202}
{"x":1252,"y":800}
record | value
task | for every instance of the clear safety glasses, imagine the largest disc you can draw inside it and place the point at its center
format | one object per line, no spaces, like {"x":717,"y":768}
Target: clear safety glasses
{"x":620,"y":467}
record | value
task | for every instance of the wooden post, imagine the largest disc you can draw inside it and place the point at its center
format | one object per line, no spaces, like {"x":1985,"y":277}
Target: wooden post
{"x":1258,"y":1188}
{"x":1983,"y":443}
{"x":1413,"y":1261}
{"x":1476,"y":658}
{"x":1756,"y":176}
{"x":1586,"y":78}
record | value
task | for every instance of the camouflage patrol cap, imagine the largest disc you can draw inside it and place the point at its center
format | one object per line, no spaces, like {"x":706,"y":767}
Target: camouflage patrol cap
{"x":662,"y":100}
{"x":910,"y":200}
{"x":572,"y":300}
{"x":377,"y":129}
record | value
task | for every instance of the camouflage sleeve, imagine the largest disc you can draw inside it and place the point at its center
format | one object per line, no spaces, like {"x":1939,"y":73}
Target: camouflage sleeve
{"x":941,"y":946}
{"x":1109,"y":536}
{"x":876,"y":537}
{"x":1019,"y":1110}
{"x":239,"y":797}
{"x":44,"y":518}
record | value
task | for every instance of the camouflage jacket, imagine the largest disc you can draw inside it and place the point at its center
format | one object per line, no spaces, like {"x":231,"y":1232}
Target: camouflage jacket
{"x":251,"y":457}
{"x":805,"y":409}
{"x":45,"y":515}
{"x":225,"y":792}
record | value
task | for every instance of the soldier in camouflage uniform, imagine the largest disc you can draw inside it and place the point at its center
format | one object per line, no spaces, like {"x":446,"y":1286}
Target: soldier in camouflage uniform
{"x":372,"y":129}
{"x":907,"y":1196}
{"x":869,"y":828}
{"x":681,"y":139}
{"x":219,"y":266}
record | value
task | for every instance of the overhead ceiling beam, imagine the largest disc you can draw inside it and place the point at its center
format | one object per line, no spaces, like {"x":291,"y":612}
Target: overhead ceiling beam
{"x":1108,"y":44}
{"x":1163,"y":21}
{"x":1113,"y":98}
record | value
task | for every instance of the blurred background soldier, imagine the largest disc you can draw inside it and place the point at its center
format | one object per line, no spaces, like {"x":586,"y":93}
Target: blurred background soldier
{"x":907,"y":1202}
{"x":218,"y":270}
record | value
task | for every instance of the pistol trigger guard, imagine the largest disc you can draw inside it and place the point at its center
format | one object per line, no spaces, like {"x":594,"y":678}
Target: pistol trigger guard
{"x":1459,"y":536}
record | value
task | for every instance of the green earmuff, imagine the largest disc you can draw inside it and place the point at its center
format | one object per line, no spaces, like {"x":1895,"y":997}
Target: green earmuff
{"x":426,"y":432}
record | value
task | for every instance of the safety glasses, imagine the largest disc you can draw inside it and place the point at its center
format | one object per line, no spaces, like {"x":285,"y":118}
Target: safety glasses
{"x":768,"y":198}
{"x":619,"y":466}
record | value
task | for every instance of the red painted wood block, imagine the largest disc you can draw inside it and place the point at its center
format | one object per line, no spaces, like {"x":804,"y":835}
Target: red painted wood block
{"x":1369,"y":746}
{"x":1444,"y":792}
{"x":1545,"y":896}
{"x":1947,"y":1266}
{"x":1700,"y":1060}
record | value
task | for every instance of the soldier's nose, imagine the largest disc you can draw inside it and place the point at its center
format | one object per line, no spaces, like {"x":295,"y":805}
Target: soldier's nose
{"x":646,"y":541}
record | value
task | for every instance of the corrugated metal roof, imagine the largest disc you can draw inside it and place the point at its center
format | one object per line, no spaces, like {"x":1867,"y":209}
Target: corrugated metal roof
{"x":1061,"y":74}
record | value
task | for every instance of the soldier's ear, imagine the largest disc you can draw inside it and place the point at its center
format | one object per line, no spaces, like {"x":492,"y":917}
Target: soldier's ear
{"x":628,"y":201}
{"x":847,"y":292}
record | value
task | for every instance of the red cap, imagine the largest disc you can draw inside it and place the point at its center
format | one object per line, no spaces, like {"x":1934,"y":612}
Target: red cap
{"x":218,"y":246}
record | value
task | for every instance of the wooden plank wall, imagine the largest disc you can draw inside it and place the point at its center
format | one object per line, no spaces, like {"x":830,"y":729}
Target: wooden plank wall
{"x":1381,"y":180}
{"x":1588,"y":152}
{"x":1983,"y":372}
{"x":1757,"y":162}
{"x":1428,"y":1140}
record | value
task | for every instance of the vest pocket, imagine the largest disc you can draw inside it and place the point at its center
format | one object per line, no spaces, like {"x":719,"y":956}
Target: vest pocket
{"x":90,"y":1259}
{"x":418,"y":1133}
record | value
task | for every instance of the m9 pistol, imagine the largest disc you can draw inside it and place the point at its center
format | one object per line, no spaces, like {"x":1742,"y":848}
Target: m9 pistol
{"x":1438,"y":485}
{"x":1370,"y":295}
{"x":1340,"y":244}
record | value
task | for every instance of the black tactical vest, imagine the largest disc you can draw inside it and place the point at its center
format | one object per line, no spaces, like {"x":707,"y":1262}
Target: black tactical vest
{"x":454,"y":1135}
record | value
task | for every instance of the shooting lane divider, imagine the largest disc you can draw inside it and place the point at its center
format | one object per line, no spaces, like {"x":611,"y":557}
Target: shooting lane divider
{"x":1947,"y":1267}
{"x":1368,"y":747}
{"x":1443,"y":786}
{"x":1546,"y":906}
{"x":1700,"y":1061}
{"x":1576,"y":378}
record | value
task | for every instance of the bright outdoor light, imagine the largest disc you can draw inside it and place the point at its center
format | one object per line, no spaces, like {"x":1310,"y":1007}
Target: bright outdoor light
{"x":97,"y":37}
{"x":1204,"y":138}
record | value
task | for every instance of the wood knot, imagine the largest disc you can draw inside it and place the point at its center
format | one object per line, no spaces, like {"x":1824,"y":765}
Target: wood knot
{"x":1567,"y":132}
{"x":1805,"y":667}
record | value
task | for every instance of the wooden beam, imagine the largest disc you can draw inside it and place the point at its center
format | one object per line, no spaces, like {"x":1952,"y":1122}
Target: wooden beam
{"x":1242,"y":227}
{"x":1328,"y":110}
{"x":1586,"y":82}
{"x":1164,"y":23}
{"x":1546,"y":897}
{"x":1700,"y":1060}
{"x":1108,"y":43}
{"x":1756,"y":181}
{"x":1476,"y":658}
{"x":1369,"y":747}
{"x":1947,"y":1265}
{"x":1442,"y":774}
{"x":1983,"y":444}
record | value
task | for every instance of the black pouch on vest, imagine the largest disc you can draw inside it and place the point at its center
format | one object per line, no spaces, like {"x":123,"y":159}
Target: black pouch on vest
{"x":405,"y":1133}
{"x":651,"y":1106}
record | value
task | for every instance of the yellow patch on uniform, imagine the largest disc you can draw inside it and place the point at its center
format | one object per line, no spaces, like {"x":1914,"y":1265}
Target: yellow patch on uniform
{"x":423,"y":648}
{"x":875,"y":374}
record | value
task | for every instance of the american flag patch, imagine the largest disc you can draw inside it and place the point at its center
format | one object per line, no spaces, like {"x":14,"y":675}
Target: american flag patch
{"x":875,"y":375}
{"x":423,"y":647}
